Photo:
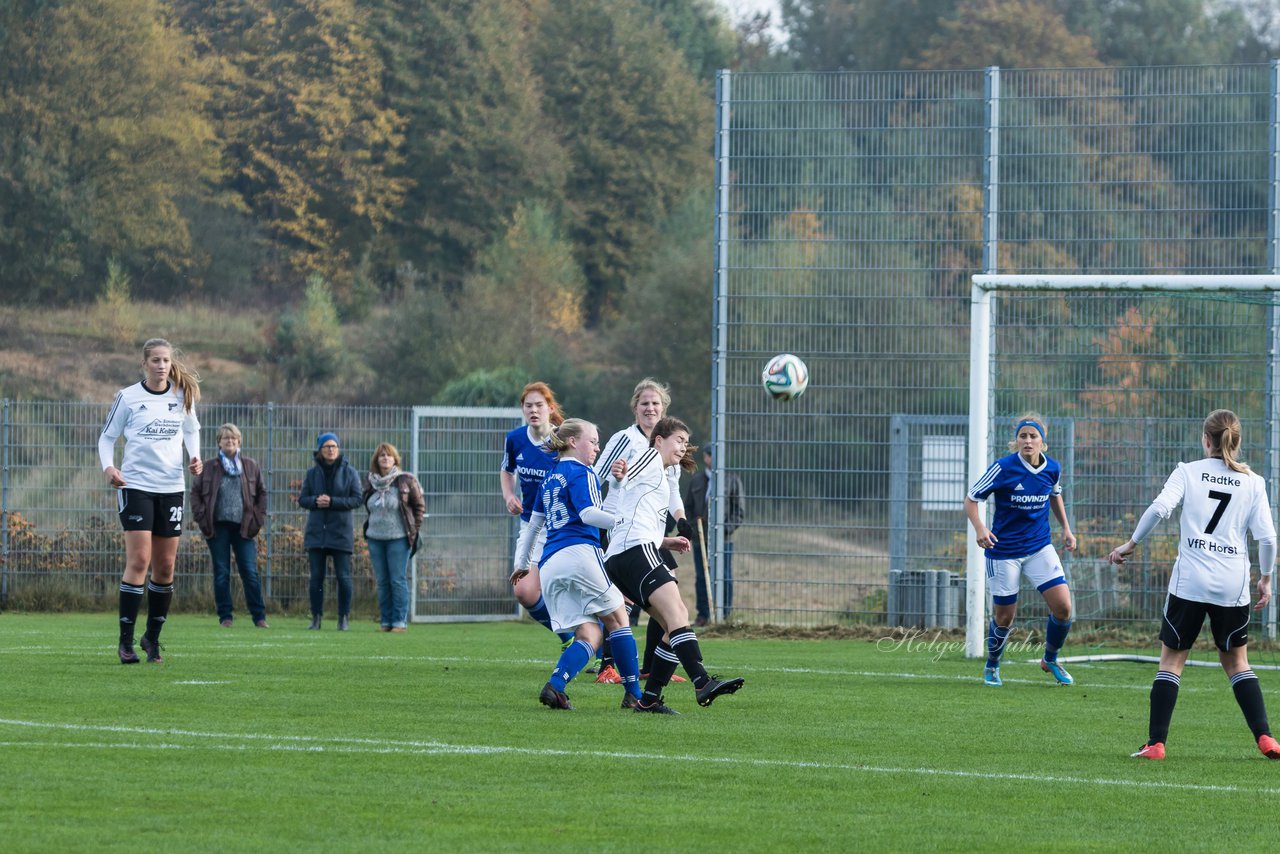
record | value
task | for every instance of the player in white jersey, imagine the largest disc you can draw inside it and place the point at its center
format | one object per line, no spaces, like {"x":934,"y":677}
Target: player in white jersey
{"x":580,"y":598}
{"x":157,"y":418}
{"x":525,"y":462}
{"x":635,"y":566}
{"x":649,"y":403}
{"x":1221,"y":500}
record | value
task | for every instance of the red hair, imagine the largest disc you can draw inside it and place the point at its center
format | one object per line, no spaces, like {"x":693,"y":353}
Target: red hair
{"x":557,"y":417}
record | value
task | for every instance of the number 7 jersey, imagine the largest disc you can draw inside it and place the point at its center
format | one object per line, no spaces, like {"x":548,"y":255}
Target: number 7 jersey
{"x":1218,"y":507}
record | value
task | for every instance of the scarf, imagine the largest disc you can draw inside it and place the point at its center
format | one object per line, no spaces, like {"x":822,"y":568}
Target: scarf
{"x":230,"y":465}
{"x":382,"y":485}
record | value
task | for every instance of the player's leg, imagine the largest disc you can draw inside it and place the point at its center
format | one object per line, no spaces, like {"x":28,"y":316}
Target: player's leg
{"x":668,"y":605}
{"x":1003,"y":578}
{"x":1058,"y":597}
{"x":617,"y":630}
{"x":165,"y":537}
{"x":528,"y":591}
{"x":1179,"y":627}
{"x":137,"y":556}
{"x":1231,"y":635}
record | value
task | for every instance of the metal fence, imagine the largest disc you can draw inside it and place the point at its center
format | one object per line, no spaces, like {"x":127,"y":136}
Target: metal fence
{"x":852,"y":210}
{"x":60,"y":542}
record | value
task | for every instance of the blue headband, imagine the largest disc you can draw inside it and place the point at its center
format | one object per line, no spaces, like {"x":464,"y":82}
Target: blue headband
{"x":1022,"y":424}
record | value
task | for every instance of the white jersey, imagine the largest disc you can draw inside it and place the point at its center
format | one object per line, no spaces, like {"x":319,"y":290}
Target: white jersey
{"x":156,"y":429}
{"x":1218,"y":506}
{"x":628,"y":445}
{"x":641,"y":517}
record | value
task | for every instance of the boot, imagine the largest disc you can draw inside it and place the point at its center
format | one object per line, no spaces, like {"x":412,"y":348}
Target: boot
{"x":315,"y":622}
{"x":342,"y":623}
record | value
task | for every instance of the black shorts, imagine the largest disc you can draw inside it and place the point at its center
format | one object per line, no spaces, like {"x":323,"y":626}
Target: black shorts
{"x":638,"y":572}
{"x":159,"y":513}
{"x":1183,"y":620}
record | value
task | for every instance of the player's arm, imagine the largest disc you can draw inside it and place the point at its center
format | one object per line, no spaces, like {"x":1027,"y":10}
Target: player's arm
{"x":107,"y":441}
{"x":1160,"y":509}
{"x":985,"y":538}
{"x":514,"y":505}
{"x":1266,"y":565}
{"x":191,"y":441}
{"x":524,"y":545}
{"x":1059,"y":508}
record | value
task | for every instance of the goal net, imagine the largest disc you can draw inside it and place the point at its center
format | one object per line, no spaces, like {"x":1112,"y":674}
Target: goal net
{"x":1124,"y":368}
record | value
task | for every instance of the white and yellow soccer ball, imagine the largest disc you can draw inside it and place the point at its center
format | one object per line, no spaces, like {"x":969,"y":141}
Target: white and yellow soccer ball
{"x":785,"y":377}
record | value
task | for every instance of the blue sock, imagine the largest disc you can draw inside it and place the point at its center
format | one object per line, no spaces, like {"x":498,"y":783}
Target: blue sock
{"x":624,"y":658}
{"x":572,"y":660}
{"x":1055,"y":635}
{"x":996,"y":637}
{"x":539,"y":613}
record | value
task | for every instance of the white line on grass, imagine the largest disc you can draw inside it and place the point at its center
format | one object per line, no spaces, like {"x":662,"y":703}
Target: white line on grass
{"x":312,"y":744}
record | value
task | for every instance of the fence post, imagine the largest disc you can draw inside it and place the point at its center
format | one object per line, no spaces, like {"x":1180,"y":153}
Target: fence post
{"x":4,"y":507}
{"x":1271,"y":455}
{"x":266,"y":571}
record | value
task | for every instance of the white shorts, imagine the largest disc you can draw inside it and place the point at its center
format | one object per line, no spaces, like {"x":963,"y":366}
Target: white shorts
{"x":1041,"y":568}
{"x":535,"y":551}
{"x":576,"y":589}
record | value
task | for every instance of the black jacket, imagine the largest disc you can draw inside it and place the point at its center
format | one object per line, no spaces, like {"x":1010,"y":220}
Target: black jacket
{"x":331,"y":527}
{"x":695,"y":501}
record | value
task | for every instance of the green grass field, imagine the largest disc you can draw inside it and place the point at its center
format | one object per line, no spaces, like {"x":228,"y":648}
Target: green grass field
{"x":284,"y":740}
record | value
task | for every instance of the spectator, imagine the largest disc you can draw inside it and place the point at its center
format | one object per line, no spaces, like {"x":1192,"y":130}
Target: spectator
{"x":330,"y":492}
{"x":697,"y":502}
{"x":396,"y":508}
{"x":229,"y":503}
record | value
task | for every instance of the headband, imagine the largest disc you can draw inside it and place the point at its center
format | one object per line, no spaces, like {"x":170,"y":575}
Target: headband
{"x":1039,"y":428}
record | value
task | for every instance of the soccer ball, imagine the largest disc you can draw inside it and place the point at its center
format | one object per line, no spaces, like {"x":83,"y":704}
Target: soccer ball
{"x":785,"y":377}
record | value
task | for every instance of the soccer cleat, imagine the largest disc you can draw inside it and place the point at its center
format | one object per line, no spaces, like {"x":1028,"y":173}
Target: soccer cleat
{"x":1269,"y":746}
{"x":991,"y":676}
{"x":715,"y":687}
{"x":1156,"y":751}
{"x":1057,"y":671}
{"x":629,"y":701}
{"x":554,"y":699}
{"x":608,"y":676}
{"x":127,"y":655}
{"x":152,"y":649}
{"x":658,"y":708}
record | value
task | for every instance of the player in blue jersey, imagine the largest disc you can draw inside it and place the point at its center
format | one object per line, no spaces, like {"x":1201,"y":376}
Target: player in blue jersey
{"x":525,"y":462}
{"x":157,"y":419}
{"x":1026,"y":486}
{"x":1222,"y":501}
{"x":580,"y":598}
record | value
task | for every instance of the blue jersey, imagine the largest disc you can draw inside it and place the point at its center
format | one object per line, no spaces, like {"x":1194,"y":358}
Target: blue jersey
{"x":1021,"y":522}
{"x":529,"y":461}
{"x":570,"y":488}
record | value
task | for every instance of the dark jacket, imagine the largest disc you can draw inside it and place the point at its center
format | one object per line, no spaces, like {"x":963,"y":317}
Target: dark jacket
{"x":695,"y":501}
{"x":204,"y":496}
{"x":331,"y":527}
{"x":412,"y":507}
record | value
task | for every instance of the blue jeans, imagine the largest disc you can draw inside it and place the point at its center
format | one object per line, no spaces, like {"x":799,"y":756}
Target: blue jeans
{"x":341,"y":568}
{"x":226,"y":539}
{"x":390,"y":567}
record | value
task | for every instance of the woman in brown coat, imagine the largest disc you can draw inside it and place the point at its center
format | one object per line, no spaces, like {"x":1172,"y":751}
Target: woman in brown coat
{"x":229,"y":503}
{"x":396,"y":509}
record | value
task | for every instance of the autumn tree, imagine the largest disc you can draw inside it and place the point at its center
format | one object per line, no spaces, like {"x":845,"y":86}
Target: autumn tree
{"x":101,"y":136}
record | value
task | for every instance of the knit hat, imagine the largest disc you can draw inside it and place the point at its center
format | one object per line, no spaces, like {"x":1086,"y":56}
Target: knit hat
{"x":325,"y":437}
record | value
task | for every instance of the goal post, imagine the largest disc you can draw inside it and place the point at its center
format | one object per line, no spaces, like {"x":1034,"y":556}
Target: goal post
{"x":983,"y":357}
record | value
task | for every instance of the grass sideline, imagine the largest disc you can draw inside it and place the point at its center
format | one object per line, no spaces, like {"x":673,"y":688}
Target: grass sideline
{"x":286,"y":740}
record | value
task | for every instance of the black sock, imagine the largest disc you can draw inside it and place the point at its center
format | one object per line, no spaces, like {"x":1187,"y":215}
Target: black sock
{"x":652,"y":638}
{"x":664,"y":667}
{"x":158,"y":598}
{"x":606,"y":654}
{"x":1249,"y":696}
{"x":130,"y":602}
{"x":685,"y":644}
{"x":1164,"y":695}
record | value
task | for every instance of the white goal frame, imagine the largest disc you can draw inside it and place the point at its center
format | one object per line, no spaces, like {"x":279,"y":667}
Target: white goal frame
{"x":980,"y":367}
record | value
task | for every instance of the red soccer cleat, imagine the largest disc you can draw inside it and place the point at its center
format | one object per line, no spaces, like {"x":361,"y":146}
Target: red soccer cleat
{"x":1155,"y":751}
{"x":1269,"y":746}
{"x":608,"y":676}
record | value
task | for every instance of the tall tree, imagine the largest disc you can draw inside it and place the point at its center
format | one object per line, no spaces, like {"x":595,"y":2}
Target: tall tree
{"x":476,"y":143}
{"x":101,"y":135}
{"x":1008,"y":33}
{"x":1166,"y":32}
{"x":637,"y":125}
{"x":701,"y":32}
{"x":309,"y":136}
{"x":860,"y":35}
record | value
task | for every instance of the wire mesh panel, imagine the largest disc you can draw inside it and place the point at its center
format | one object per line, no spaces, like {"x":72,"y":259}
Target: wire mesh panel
{"x":852,"y":210}
{"x":463,"y":564}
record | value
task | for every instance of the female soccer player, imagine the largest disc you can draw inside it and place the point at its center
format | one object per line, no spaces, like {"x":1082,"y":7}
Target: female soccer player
{"x":157,"y":418}
{"x":1027,"y":485}
{"x":633,"y":563}
{"x":649,"y":402}
{"x":579,"y":596}
{"x":526,"y":460}
{"x":1221,"y":499}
